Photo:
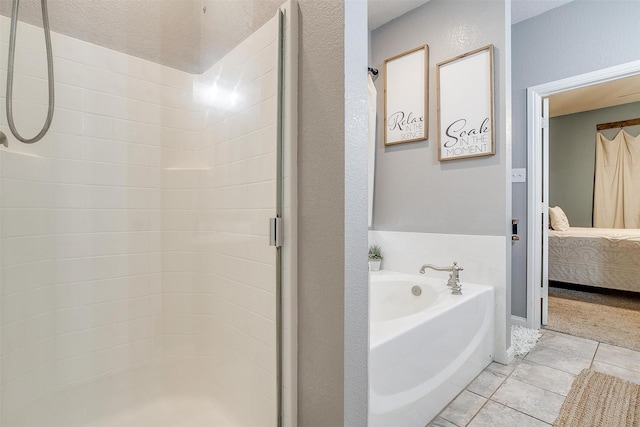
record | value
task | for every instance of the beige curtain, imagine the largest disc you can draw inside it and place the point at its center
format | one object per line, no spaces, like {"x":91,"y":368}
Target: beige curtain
{"x":616,"y":193}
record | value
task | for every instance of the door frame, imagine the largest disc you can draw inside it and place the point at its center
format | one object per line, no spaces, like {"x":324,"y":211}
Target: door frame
{"x":535,"y":172}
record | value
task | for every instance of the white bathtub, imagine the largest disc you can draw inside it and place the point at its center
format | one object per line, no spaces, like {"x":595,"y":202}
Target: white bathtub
{"x":424,"y":349}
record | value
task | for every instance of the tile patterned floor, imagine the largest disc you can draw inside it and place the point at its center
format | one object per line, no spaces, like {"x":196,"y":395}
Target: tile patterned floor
{"x":529,"y":391}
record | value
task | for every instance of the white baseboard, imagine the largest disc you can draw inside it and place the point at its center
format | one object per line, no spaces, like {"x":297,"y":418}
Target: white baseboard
{"x":519,"y":321}
{"x":505,"y":357}
{"x":511,"y":353}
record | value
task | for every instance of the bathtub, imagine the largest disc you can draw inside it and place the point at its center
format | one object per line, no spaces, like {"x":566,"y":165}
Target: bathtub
{"x":424,"y":349}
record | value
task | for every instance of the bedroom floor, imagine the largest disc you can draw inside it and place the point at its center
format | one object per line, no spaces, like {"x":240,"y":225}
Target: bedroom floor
{"x":598,"y":314}
{"x":529,"y":391}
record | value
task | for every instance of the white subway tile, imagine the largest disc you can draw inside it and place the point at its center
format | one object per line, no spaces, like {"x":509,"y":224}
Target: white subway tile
{"x":69,"y":220}
{"x":27,"y":332}
{"x":4,"y":50}
{"x":105,"y":150}
{"x":102,"y":197}
{"x":23,"y":277}
{"x":66,"y":146}
{"x":73,"y":370}
{"x":27,"y":249}
{"x":261,"y":195}
{"x":178,"y":262}
{"x":141,"y":133}
{"x":68,"y":122}
{"x":68,"y":246}
{"x":262,"y":329}
{"x":179,"y":282}
{"x":68,"y":72}
{"x":262,"y":302}
{"x":36,"y":382}
{"x":70,"y":48}
{"x":66,"y":96}
{"x":178,"y":345}
{"x":18,"y":166}
{"x":67,"y":171}
{"x":144,"y":198}
{"x":102,"y":104}
{"x":69,"y":196}
{"x":23,"y":305}
{"x":32,"y":63}
{"x":72,"y":319}
{"x":26,"y":222}
{"x":104,"y":81}
{"x":98,"y":126}
{"x":29,"y":89}
{"x":72,"y":345}
{"x":28,"y":117}
{"x":27,"y":359}
{"x":68,"y":270}
{"x":70,"y":295}
{"x":177,"y":303}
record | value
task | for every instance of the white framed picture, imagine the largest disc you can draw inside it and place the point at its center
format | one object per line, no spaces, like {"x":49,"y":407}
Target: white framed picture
{"x":405,"y":96}
{"x":465,"y":105}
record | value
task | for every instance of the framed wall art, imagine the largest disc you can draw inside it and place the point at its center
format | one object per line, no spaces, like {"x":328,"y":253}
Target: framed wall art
{"x":465,"y":105}
{"x":405,"y":96}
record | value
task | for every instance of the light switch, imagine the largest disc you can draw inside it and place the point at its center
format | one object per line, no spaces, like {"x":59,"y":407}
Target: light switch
{"x":519,"y":175}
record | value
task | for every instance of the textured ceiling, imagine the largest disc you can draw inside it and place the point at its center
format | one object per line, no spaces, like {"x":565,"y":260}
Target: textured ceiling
{"x":228,"y":22}
{"x":175,"y":33}
{"x":615,"y":92}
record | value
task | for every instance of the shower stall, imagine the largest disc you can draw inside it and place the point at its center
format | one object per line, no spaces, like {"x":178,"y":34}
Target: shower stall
{"x":146,"y":241}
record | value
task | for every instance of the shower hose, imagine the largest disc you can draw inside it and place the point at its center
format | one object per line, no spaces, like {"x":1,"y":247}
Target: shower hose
{"x":10,"y":67}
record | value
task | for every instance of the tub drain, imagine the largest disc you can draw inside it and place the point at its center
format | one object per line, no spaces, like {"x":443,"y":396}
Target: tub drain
{"x":416,"y":290}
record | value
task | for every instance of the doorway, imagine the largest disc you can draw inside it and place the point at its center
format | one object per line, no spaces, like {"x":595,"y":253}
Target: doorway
{"x":538,"y":179}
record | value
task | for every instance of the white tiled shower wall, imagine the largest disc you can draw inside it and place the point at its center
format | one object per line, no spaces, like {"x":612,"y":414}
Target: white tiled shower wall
{"x":133,"y":235}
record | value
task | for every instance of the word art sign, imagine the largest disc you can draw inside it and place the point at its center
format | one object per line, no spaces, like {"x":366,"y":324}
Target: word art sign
{"x":405,"y":96}
{"x":465,"y":105}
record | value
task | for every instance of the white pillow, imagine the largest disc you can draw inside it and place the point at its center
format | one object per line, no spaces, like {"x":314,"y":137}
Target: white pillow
{"x":558,"y":219}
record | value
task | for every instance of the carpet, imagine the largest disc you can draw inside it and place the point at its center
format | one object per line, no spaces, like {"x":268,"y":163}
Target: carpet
{"x":600,"y":400}
{"x":609,"y":318}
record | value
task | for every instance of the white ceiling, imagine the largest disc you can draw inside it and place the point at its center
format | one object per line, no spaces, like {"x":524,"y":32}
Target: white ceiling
{"x":616,"y":92}
{"x":383,"y":11}
{"x":175,"y":33}
{"x":522,"y":10}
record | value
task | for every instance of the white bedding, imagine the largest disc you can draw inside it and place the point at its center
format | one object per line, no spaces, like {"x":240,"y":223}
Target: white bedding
{"x":603,"y":257}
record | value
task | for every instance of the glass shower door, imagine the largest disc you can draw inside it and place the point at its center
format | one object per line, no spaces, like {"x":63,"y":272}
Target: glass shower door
{"x":137,"y":282}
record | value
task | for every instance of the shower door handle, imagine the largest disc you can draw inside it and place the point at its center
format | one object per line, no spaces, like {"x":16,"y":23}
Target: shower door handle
{"x":514,"y":230}
{"x":275,"y":232}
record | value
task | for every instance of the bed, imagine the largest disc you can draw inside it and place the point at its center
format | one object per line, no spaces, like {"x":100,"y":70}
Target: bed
{"x":602,"y":257}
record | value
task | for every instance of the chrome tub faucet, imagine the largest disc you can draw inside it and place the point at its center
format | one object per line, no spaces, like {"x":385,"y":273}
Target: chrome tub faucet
{"x":454,"y":276}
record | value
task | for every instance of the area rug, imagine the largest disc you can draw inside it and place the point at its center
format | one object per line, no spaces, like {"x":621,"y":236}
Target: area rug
{"x":611,"y":319}
{"x":523,"y":339}
{"x":600,"y":400}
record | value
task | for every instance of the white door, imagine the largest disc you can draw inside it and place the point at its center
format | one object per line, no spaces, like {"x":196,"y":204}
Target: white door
{"x":538,"y":216}
{"x":544,"y":209}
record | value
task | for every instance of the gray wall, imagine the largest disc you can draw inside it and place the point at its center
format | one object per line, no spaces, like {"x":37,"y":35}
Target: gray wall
{"x":321,"y":208}
{"x":572,"y":149}
{"x":581,"y":36}
{"x":413,"y":190}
